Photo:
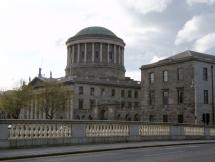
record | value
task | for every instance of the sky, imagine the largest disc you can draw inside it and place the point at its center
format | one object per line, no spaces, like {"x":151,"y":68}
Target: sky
{"x":33,"y":32}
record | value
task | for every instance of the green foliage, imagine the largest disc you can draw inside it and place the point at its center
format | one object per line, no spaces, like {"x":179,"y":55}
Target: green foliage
{"x":52,"y":98}
{"x":13,"y":101}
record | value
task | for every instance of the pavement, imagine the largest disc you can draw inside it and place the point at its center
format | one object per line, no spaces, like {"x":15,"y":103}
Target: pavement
{"x":39,"y":152}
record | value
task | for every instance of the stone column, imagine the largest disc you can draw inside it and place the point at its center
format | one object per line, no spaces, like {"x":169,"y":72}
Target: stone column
{"x":85,"y":52}
{"x":27,"y":113}
{"x":100,"y":52}
{"x":68,"y":56}
{"x":119,"y":54}
{"x":71,"y":108}
{"x":93,"y":53}
{"x":115,"y":54}
{"x":78,"y":53}
{"x":31,"y":111}
{"x":73,"y":56}
{"x":122,"y":56}
{"x":108,"y":57}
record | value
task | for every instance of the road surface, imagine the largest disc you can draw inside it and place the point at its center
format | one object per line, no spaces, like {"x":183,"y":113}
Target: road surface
{"x":183,"y":153}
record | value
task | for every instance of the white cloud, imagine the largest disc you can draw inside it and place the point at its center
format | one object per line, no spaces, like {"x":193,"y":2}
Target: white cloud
{"x":156,"y":58}
{"x":135,"y":74}
{"x":195,"y":28}
{"x":192,"y":2}
{"x":146,"y":6}
{"x":205,"y":43}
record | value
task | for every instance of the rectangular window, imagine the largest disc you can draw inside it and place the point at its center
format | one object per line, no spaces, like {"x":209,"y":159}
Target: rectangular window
{"x":180,"y":93}
{"x":136,"y":94}
{"x":136,"y":105}
{"x":165,"y":118}
{"x":81,"y":90}
{"x":151,"y":118}
{"x":129,"y":94}
{"x":180,"y":74}
{"x":180,"y":118}
{"x":165,"y":76}
{"x":122,"y":93}
{"x":165,"y":97}
{"x":206,"y":118}
{"x":92,"y":91}
{"x":113,"y":92}
{"x":92,"y":103}
{"x":110,"y":55}
{"x":80,"y":103}
{"x":122,"y":104}
{"x":151,"y":78}
{"x":151,"y":97}
{"x":102,"y":91}
{"x":205,"y":74}
{"x":129,"y":105}
{"x":205,"y":96}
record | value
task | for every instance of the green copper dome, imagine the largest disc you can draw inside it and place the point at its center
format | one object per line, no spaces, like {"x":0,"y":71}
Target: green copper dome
{"x":95,"y":30}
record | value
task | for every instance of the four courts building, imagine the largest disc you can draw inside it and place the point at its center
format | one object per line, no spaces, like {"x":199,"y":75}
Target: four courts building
{"x":176,"y":89}
{"x":95,"y":72}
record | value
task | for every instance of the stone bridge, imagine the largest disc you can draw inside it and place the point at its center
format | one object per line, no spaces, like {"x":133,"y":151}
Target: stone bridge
{"x":29,"y":133}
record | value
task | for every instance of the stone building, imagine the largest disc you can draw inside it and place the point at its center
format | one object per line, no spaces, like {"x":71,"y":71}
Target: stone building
{"x":179,"y":89}
{"x":95,"y":72}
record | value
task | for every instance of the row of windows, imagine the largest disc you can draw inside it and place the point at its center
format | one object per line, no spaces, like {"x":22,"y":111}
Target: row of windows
{"x":165,"y":117}
{"x":180,"y":96}
{"x":165,"y":96}
{"x":113,"y":92}
{"x":92,"y":104}
{"x":180,"y":75}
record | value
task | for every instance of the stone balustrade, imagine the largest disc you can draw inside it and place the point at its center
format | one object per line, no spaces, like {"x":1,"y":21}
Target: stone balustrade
{"x":154,"y":130}
{"x":106,"y":130}
{"x":212,"y":132}
{"x":22,"y":133}
{"x":193,"y":131}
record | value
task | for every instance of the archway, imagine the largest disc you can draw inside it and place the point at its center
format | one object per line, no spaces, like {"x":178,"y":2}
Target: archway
{"x":102,"y":115}
{"x":90,"y":117}
{"x":136,"y":117}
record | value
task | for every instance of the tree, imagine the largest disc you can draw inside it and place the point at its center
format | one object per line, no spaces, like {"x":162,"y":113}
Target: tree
{"x":52,"y":98}
{"x":13,"y":101}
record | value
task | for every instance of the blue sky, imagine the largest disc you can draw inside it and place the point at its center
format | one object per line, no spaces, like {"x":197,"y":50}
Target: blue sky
{"x":33,"y":32}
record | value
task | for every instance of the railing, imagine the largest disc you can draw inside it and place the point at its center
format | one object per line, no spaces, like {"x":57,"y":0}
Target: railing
{"x":212,"y":132}
{"x":24,"y":131}
{"x":193,"y":131}
{"x":21,"y":133}
{"x":154,"y":130}
{"x":106,"y":130}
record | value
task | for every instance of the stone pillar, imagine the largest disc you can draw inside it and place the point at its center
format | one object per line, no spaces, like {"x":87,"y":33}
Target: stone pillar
{"x":108,"y":57}
{"x":122,"y":56}
{"x":73,"y":56}
{"x":100,"y":52}
{"x":78,"y":53}
{"x":85,"y":52}
{"x":93,"y":53}
{"x":119,"y":54}
{"x":68,"y":56}
{"x":115,"y":54}
{"x":71,"y":108}
{"x":27,"y":113}
{"x":31,"y":111}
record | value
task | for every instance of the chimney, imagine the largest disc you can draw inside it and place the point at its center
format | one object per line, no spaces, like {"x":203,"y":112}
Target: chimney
{"x":40,"y":73}
{"x":29,"y":79}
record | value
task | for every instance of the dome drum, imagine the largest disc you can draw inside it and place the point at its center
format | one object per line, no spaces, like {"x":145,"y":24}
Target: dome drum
{"x":103,"y":53}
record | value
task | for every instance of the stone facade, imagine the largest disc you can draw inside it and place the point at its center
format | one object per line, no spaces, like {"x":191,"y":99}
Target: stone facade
{"x":173,"y":89}
{"x":95,"y":73}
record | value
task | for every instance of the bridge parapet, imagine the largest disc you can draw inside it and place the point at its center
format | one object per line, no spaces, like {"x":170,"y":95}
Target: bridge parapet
{"x":28,"y":133}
